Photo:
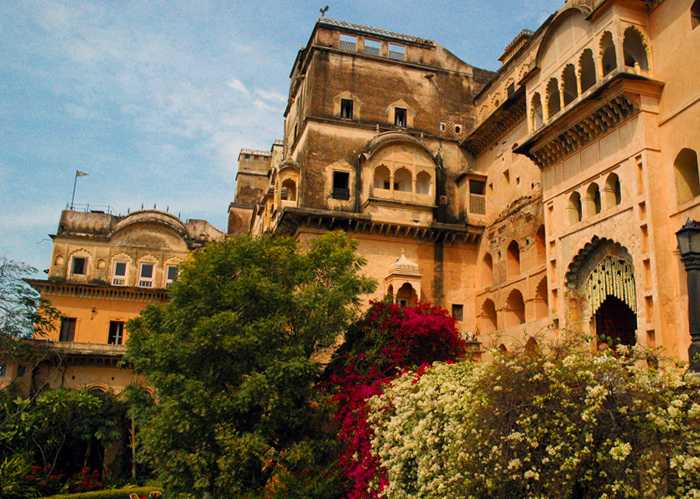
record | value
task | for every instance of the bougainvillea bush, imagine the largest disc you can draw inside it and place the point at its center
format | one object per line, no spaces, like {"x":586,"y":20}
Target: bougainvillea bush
{"x":558,"y":423}
{"x":388,"y":342}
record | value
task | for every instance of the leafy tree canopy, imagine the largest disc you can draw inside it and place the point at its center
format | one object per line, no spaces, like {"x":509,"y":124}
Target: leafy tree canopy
{"x":234,"y":358}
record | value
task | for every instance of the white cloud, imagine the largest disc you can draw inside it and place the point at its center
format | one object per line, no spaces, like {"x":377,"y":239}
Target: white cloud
{"x":270,"y":95}
{"x":264,"y":106}
{"x":238,"y":86}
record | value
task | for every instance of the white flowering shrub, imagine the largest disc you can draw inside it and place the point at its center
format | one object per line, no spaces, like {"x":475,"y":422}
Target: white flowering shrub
{"x":561,"y":423}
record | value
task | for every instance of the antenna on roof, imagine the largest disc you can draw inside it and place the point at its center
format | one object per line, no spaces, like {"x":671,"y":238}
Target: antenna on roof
{"x":323,"y":11}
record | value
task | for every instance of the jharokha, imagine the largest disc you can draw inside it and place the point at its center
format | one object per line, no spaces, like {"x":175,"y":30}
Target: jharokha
{"x":538,"y":199}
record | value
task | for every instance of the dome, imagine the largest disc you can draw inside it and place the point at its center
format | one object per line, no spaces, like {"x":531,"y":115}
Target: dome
{"x":405,"y":266}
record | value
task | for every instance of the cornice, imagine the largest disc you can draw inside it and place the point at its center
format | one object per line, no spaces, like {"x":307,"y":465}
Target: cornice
{"x":66,"y":288}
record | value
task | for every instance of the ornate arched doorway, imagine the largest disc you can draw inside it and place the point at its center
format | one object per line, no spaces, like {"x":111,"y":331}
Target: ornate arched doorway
{"x":602,"y":293}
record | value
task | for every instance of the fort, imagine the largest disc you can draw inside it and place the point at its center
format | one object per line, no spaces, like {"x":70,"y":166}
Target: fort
{"x":538,"y":199}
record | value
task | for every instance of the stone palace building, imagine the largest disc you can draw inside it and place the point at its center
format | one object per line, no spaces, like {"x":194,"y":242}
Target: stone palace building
{"x":538,"y":199}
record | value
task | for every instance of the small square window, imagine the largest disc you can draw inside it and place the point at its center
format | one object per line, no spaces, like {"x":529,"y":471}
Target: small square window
{"x":458,"y":129}
{"x":458,"y":311}
{"x":400,"y":117}
{"x":116,"y":333}
{"x":341,"y":185}
{"x":67,"y":332}
{"x":146,"y":275}
{"x":346,"y":109}
{"x":397,"y":52}
{"x":372,"y":47}
{"x":348,"y":42}
{"x":79,"y":265}
{"x":443,"y":127}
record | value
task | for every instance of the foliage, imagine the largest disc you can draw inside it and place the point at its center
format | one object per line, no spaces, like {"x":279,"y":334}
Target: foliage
{"x":232,"y":357}
{"x":388,"y":342}
{"x":23,"y":312}
{"x":13,"y":478}
{"x":52,"y":425}
{"x":121,"y":493}
{"x":558,"y":423}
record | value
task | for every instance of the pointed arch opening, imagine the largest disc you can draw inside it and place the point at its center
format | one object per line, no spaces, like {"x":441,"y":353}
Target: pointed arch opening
{"x":515,"y":309}
{"x":513,"y":260}
{"x":593,"y":205}
{"x":695,"y":14}
{"x":289,"y":190}
{"x":406,"y":296}
{"x":687,"y":178}
{"x":553,"y":98}
{"x":613,"y":191}
{"x":570,"y":84}
{"x":575,"y":209}
{"x":382,"y":178}
{"x":634,"y":49}
{"x":587,"y":70}
{"x":536,"y":112}
{"x":423,"y":183}
{"x":487,"y":270}
{"x":607,"y":53}
{"x":403,"y":180}
{"x":540,"y":246}
{"x":488,"y":319}
{"x":541,"y":299}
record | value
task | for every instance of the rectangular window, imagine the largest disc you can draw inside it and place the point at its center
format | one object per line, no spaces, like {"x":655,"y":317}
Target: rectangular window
{"x":477,"y":197}
{"x":397,"y":52}
{"x":79,"y":265}
{"x":372,"y":47}
{"x":67,"y":332}
{"x":119,"y":276}
{"x":458,"y":311}
{"x":348,"y":42}
{"x":346,"y":109}
{"x":400,"y":117}
{"x":171,"y":275}
{"x":116,"y":333}
{"x":341,"y":185}
{"x":146,"y":275}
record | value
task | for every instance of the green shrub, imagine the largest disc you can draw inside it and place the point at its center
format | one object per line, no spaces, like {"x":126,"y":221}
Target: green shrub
{"x":122,"y":493}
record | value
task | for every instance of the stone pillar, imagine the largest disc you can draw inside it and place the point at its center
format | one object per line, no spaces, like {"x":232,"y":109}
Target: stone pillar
{"x":692,"y":266}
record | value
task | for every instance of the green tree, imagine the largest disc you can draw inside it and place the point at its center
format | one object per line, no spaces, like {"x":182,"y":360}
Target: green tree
{"x":23,"y":313}
{"x":234,"y":358}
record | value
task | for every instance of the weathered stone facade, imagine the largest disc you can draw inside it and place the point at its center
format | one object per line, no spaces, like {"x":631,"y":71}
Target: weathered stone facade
{"x":541,"y":198}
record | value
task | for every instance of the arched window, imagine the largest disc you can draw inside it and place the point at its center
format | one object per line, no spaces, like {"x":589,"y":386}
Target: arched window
{"x":570,"y":84}
{"x":695,"y":14}
{"x":289,"y":190}
{"x":587,"y":70}
{"x":423,"y":183}
{"x":487,"y":271}
{"x":575,"y":208}
{"x":406,"y":296}
{"x":607,"y":53}
{"x":382,"y":177}
{"x":540,"y":246}
{"x":516,"y":309}
{"x":390,"y":294}
{"x":488,"y":319}
{"x":403,"y":180}
{"x":613,"y":191}
{"x":513,"y":260}
{"x":536,"y":112}
{"x":593,"y":199}
{"x":541,"y":300}
{"x":553,"y":98}
{"x":687,"y":180}
{"x":634,"y":50}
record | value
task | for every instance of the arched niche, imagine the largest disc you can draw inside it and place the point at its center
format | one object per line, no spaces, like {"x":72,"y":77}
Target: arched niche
{"x":540,"y":246}
{"x":403,"y":180}
{"x":613,"y":191}
{"x":289,"y":190}
{"x":608,"y":57}
{"x":488,"y":319}
{"x":586,"y":67}
{"x":634,"y":49}
{"x":515,"y":309}
{"x":574,"y":208}
{"x":686,"y":173}
{"x":424,"y":183}
{"x":593,"y":204}
{"x":570,"y":85}
{"x":382,"y":177}
{"x":487,"y":270}
{"x":536,"y":112}
{"x":513,"y":260}
{"x":541,"y":300}
{"x":553,"y":98}
{"x":407,"y":296}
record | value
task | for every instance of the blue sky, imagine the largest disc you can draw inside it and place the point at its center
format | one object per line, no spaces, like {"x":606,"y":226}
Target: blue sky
{"x":154,"y":99}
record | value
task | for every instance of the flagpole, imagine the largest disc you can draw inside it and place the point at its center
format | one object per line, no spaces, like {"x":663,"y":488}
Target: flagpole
{"x":75,"y":183}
